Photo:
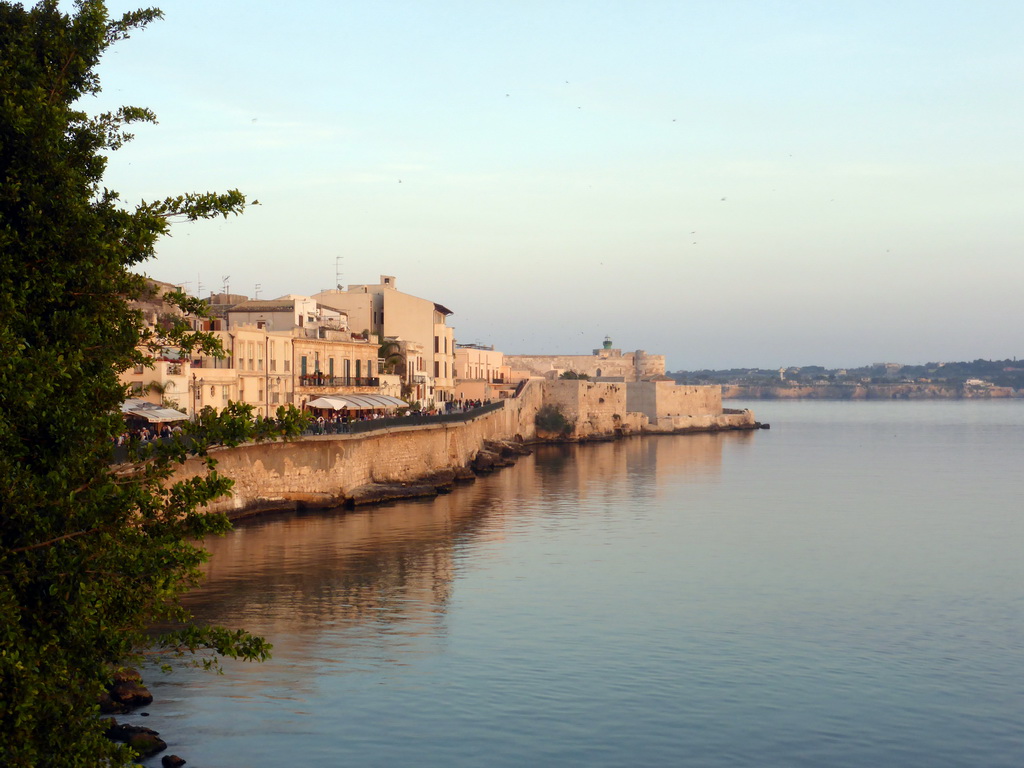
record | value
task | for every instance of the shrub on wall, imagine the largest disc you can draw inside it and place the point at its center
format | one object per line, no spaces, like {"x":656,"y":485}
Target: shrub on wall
{"x":550,"y":419}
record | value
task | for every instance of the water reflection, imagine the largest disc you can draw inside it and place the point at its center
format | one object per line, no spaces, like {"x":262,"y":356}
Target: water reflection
{"x":290,"y":574}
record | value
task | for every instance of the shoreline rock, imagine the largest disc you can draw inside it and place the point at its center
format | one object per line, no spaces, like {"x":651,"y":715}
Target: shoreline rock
{"x":125,"y":693}
{"x":145,"y":741}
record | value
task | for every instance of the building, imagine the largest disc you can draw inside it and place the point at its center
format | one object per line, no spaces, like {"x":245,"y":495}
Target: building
{"x":414,"y":324}
{"x":481,"y":373}
{"x":293,"y":349}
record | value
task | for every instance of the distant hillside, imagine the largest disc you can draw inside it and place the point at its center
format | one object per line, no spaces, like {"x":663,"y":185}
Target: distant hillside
{"x":881,"y":381}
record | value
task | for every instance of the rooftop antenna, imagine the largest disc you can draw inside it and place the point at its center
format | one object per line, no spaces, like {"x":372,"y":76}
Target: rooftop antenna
{"x":337,"y":271}
{"x":256,"y":290}
{"x":199,"y":287}
{"x":225,"y":282}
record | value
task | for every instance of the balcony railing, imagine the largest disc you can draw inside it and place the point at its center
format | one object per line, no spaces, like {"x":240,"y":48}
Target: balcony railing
{"x":323,"y":380}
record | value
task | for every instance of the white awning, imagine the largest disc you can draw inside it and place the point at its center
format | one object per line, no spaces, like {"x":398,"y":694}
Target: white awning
{"x":329,"y":403}
{"x":151,"y":411}
{"x":358,"y":402}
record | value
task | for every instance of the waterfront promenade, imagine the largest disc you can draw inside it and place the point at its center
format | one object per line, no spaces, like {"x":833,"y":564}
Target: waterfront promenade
{"x":324,"y":470}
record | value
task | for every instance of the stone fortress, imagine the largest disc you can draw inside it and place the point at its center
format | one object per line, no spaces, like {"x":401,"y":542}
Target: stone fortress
{"x":605,"y":364}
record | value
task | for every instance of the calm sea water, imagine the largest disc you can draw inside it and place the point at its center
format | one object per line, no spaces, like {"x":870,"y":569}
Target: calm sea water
{"x":846,"y":589}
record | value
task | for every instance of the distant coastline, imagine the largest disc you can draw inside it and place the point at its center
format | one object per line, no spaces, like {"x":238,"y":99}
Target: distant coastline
{"x":868,"y":392}
{"x":974,"y":380}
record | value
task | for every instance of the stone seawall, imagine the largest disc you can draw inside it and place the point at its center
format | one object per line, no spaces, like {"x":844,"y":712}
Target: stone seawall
{"x":330,"y":470}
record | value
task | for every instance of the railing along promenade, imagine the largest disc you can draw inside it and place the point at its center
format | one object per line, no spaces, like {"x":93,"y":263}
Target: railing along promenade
{"x":120,"y":452}
{"x":372,"y":425}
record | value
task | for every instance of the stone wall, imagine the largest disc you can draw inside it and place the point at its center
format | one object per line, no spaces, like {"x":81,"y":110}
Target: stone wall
{"x":594,"y":408}
{"x":664,"y":401}
{"x":324,"y":470}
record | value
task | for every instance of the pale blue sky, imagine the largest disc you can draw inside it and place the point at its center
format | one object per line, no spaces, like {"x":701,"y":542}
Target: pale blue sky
{"x":727,"y":183}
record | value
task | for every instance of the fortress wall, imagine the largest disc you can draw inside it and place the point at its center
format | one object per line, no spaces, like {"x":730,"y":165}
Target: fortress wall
{"x":662,"y":400}
{"x":687,"y":400}
{"x":324,"y":470}
{"x":596,"y":408}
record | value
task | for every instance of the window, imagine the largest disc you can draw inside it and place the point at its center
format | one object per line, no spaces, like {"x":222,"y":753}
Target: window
{"x":140,"y":368}
{"x":359,"y":368}
{"x":302,"y":363}
{"x":437,"y":345}
{"x":330,"y":367}
{"x":287,"y":365}
{"x":136,"y":387}
{"x":437,"y":370}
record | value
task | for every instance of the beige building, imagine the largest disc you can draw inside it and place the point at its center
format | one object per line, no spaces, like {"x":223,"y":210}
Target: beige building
{"x":388,"y":314}
{"x":279,"y":352}
{"x":481,"y":373}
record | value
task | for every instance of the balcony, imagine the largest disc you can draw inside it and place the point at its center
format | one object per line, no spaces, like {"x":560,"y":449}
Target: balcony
{"x":323,"y":380}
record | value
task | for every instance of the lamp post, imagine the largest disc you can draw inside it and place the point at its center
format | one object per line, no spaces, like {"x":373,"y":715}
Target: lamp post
{"x":197,"y":395}
{"x":262,"y":324}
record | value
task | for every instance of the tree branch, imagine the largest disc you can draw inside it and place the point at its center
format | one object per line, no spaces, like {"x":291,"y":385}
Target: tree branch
{"x":42,"y":544}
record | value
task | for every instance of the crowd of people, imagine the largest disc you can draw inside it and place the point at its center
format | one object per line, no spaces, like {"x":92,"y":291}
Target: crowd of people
{"x":146,"y":432}
{"x":328,"y":422}
{"x":461,"y":406}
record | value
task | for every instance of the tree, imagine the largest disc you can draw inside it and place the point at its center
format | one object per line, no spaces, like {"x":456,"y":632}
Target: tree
{"x":90,"y":555}
{"x":390,"y":351}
